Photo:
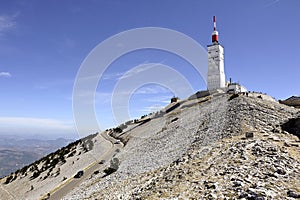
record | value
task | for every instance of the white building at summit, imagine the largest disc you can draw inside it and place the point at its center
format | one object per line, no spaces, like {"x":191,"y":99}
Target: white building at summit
{"x":215,"y":75}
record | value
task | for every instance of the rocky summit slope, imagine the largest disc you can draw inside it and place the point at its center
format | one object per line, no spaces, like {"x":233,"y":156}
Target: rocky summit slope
{"x":217,"y":147}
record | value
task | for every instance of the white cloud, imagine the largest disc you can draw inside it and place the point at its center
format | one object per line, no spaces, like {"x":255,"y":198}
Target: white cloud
{"x":132,"y":72}
{"x":42,"y":126}
{"x":270,"y":3}
{"x":138,"y":70}
{"x":5,"y":74}
{"x":7,"y":22}
{"x":152,"y":89}
{"x":111,"y":76}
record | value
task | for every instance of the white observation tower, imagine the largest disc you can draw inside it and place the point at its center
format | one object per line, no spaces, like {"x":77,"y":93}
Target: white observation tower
{"x":215,"y":75}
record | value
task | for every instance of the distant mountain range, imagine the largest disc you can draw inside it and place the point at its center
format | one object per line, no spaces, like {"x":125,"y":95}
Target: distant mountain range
{"x":292,"y":101}
{"x":16,"y":153}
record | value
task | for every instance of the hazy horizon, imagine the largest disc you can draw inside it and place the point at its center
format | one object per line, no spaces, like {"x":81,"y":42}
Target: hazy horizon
{"x":43,"y":44}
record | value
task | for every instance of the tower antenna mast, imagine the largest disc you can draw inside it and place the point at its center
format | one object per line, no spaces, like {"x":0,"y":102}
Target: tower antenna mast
{"x":215,"y":34}
{"x":215,"y":23}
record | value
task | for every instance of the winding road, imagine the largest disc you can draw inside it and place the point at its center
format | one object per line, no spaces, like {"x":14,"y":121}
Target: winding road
{"x":64,"y":189}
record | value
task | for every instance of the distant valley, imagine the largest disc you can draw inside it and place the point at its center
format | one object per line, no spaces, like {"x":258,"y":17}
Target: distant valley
{"x":17,"y":152}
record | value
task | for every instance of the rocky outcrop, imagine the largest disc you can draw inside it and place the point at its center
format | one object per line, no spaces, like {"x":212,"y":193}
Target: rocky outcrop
{"x":215,"y":149}
{"x":292,"y":126}
{"x":232,"y":168}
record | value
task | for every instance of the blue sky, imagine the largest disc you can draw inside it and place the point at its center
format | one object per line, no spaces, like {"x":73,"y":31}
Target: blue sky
{"x":43,"y":43}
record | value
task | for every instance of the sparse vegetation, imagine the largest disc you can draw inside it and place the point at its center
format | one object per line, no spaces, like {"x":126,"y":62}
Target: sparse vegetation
{"x":87,"y":145}
{"x":118,"y":130}
{"x":72,"y":154}
{"x":109,"y":171}
{"x":142,"y":117}
{"x":233,"y":97}
{"x":122,"y":126}
{"x":51,"y":161}
{"x":8,"y":179}
{"x":35,"y":175}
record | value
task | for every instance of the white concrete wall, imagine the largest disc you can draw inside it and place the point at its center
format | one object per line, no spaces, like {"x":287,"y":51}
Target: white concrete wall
{"x":216,"y":75}
{"x":236,"y":88}
{"x":243,"y":89}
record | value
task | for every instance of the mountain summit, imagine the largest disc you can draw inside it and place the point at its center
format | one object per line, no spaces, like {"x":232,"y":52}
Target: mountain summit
{"x":217,"y":146}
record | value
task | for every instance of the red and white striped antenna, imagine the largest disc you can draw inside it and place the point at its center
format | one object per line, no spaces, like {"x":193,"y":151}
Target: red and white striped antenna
{"x":214,"y":37}
{"x":215,"y":23}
